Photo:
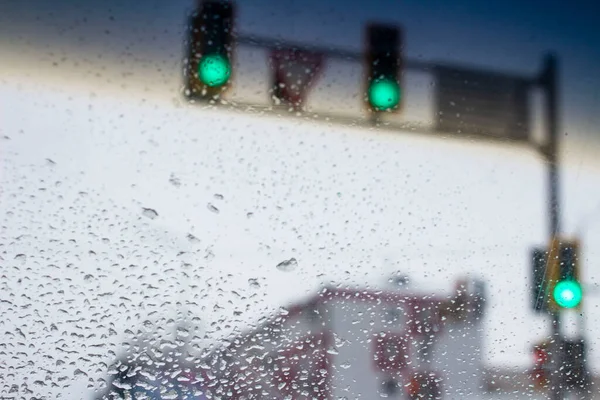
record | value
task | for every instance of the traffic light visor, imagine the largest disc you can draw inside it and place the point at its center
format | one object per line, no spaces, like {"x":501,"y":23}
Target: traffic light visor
{"x":567,"y":294}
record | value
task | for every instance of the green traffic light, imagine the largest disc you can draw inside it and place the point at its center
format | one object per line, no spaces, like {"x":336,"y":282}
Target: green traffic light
{"x":384,"y":94}
{"x":214,"y":70}
{"x":567,"y":294}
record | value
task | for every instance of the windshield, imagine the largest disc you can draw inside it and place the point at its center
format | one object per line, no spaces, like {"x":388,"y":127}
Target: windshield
{"x":280,"y":199}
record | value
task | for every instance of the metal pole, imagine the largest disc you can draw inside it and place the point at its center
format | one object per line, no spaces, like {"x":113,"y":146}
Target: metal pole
{"x":330,"y":52}
{"x":549,"y":80}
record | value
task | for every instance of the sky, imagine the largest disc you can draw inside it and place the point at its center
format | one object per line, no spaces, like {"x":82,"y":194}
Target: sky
{"x":350,"y":205}
{"x":503,"y":35}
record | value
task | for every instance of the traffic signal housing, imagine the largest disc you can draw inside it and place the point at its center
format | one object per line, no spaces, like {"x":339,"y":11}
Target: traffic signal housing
{"x":539,"y":298}
{"x":383,"y":68}
{"x":556,"y":281}
{"x":541,"y":366}
{"x":564,"y":290}
{"x":210,"y":54}
{"x":575,"y":369}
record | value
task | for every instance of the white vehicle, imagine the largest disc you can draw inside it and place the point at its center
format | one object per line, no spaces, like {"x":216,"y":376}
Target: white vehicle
{"x":355,"y":343}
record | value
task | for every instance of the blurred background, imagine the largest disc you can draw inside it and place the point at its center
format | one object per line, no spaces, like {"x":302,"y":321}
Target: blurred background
{"x":129,"y":211}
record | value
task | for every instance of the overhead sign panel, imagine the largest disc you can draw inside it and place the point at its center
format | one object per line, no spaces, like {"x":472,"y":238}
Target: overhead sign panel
{"x":473,"y":102}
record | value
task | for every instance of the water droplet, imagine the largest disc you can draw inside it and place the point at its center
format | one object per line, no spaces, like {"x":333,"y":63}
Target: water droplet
{"x":250,"y":215}
{"x":345,"y":365}
{"x":192,"y":238}
{"x":212,"y":208}
{"x":287,"y":265}
{"x":254,"y":284}
{"x":332,"y":350}
{"x":209,"y":255}
{"x":339,"y":342}
{"x":173,"y":180}
{"x":149,"y":213}
{"x":218,"y":196}
{"x":22,"y":258}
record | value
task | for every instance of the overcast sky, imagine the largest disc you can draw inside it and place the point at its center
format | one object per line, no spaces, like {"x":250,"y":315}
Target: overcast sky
{"x":504,"y":35}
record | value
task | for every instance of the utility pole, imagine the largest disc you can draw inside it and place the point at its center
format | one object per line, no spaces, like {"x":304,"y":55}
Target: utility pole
{"x":549,"y":81}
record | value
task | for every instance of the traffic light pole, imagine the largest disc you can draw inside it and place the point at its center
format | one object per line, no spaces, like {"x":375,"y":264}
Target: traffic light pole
{"x":549,"y":81}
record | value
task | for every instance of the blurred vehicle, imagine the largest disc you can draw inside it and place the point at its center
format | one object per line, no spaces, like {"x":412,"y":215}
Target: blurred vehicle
{"x":339,"y":343}
{"x":152,"y":370}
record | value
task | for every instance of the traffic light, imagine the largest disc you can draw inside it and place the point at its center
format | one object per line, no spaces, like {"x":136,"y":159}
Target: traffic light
{"x":574,"y":363}
{"x":564,"y":286}
{"x":556,"y":280}
{"x":539,"y":297}
{"x":384,"y":64}
{"x":541,"y":366}
{"x":209,"y":65}
{"x":568,"y":293}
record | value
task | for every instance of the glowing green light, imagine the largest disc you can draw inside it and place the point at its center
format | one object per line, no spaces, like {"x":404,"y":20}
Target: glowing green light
{"x":567,"y":294}
{"x":214,"y":70}
{"x":384,"y":94}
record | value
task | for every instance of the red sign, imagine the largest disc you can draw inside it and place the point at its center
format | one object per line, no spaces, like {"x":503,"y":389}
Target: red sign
{"x":541,"y":356}
{"x":294,"y":72}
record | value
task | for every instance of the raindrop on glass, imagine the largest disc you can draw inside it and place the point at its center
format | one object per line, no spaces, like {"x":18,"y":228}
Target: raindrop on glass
{"x":287,"y":265}
{"x":254,"y":284}
{"x":173,"y":180}
{"x":149,"y":213}
{"x":192,"y":238}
